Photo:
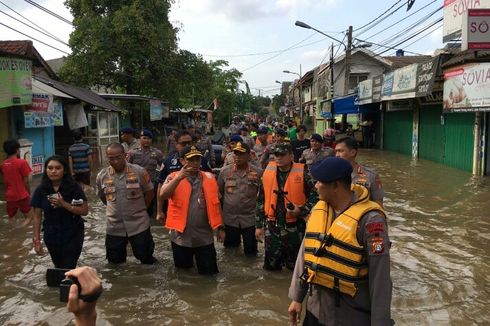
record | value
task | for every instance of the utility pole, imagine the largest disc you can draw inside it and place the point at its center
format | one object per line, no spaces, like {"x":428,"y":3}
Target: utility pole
{"x":347,"y":60}
{"x":332,"y":80}
{"x":300,"y":95}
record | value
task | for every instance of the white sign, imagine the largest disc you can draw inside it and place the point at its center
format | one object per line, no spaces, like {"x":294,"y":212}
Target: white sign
{"x":467,"y":86}
{"x":454,"y":11}
{"x":476,"y":30}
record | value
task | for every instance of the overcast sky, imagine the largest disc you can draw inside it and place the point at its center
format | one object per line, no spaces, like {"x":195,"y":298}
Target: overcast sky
{"x":258,"y":37}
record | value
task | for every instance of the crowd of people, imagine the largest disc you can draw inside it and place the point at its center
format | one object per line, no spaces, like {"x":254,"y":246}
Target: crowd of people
{"x":317,"y":210}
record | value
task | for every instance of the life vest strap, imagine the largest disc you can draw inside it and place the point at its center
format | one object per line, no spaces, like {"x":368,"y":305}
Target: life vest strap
{"x":322,"y":237}
{"x":321,"y":252}
{"x":341,"y":276}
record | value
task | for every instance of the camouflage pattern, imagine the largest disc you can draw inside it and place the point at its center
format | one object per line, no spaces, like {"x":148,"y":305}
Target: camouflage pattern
{"x":282,"y":241}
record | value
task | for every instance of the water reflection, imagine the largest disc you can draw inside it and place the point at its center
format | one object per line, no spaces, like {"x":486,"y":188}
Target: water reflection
{"x":439,"y":225}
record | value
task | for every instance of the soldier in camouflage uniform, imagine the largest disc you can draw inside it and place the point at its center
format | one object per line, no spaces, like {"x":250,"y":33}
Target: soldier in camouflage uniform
{"x":282,"y":220}
{"x":346,"y":148}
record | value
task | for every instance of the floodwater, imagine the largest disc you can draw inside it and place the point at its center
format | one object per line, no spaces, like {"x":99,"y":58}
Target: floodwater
{"x":439,"y":224}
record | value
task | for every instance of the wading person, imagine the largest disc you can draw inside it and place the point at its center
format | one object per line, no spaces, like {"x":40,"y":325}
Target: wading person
{"x":149,"y":158}
{"x":127,"y":191}
{"x":173,"y":163}
{"x":62,"y":202}
{"x":80,"y":160}
{"x":194,"y":214}
{"x":344,"y":260}
{"x":347,"y":148}
{"x":286,"y":196}
{"x":128,"y":140}
{"x":15,"y":172}
{"x":238,"y":186}
{"x":316,"y":152}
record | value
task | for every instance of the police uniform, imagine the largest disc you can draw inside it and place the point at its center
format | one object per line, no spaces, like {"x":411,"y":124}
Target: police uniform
{"x":282,"y":233}
{"x":127,"y":218}
{"x":259,"y":149}
{"x":172,"y":164}
{"x":345,"y":264}
{"x":238,"y":190}
{"x":230,"y":159}
{"x":310,"y":156}
{"x":150,"y":159}
{"x":206,"y":148}
{"x":368,"y":178}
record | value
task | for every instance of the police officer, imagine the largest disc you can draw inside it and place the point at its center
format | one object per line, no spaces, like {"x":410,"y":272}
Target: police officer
{"x":279,"y":138}
{"x":127,"y":191}
{"x":344,"y":260}
{"x":286,"y":196}
{"x":204,"y":144}
{"x":261,"y":143}
{"x":347,"y":148}
{"x":171,"y":164}
{"x":127,"y":139}
{"x":238,"y":186}
{"x":194,"y":212}
{"x":316,"y":152}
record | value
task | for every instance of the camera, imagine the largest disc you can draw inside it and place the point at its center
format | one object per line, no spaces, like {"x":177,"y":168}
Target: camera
{"x":55,"y":277}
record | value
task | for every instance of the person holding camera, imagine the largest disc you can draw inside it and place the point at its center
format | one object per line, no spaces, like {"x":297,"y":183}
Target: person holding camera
{"x":286,"y":196}
{"x":62,"y":202}
{"x":82,"y":300}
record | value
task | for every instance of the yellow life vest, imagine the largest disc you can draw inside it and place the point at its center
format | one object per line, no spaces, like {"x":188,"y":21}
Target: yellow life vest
{"x":333,"y":256}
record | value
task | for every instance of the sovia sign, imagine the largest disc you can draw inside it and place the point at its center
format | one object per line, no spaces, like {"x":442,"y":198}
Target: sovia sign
{"x":476,"y":29}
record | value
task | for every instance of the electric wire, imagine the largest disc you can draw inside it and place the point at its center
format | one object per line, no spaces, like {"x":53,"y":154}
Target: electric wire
{"x":372,"y":21}
{"x":30,"y":21}
{"x":35,"y":39}
{"x":381,"y":20}
{"x":49,"y":12}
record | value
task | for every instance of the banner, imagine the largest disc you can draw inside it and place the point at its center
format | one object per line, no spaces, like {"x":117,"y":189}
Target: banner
{"x":476,"y":30}
{"x":454,"y":10}
{"x":365,"y":92}
{"x":43,"y":112}
{"x":57,"y":114}
{"x":156,"y":110}
{"x":15,"y":82}
{"x":33,"y":119}
{"x":467,"y":88}
{"x":37,"y":164}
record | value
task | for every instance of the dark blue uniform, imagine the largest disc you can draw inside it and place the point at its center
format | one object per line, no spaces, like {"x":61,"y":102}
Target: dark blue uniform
{"x":172,"y":164}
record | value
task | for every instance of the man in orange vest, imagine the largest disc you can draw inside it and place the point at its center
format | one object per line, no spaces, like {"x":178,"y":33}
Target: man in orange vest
{"x":286,"y":196}
{"x":194,"y":213}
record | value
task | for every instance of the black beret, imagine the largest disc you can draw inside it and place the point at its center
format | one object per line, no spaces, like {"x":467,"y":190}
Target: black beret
{"x":281,"y":132}
{"x":127,"y":130}
{"x":331,"y":169}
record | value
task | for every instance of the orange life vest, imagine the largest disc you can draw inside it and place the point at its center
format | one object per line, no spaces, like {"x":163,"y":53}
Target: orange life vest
{"x":178,"y":203}
{"x":294,"y":189}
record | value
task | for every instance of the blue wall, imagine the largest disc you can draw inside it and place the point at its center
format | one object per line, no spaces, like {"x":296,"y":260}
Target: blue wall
{"x":42,"y":138}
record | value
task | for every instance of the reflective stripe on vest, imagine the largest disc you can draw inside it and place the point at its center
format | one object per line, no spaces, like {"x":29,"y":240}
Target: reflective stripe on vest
{"x":333,"y":256}
{"x":294,"y":189}
{"x":178,"y":203}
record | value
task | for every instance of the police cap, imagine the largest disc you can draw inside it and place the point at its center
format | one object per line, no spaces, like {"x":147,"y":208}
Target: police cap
{"x":189,"y":151}
{"x":262,"y":130}
{"x":242,"y":148}
{"x":281,"y":132}
{"x":127,"y":130}
{"x":236,"y":138}
{"x":147,"y":133}
{"x":331,"y":169}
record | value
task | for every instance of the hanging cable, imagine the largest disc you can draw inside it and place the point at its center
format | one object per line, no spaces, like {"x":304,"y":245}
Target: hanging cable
{"x":49,"y":12}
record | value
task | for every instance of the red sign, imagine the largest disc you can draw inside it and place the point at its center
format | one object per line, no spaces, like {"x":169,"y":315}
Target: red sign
{"x":40,"y":103}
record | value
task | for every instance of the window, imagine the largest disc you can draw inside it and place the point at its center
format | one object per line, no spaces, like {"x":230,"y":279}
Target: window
{"x":355,"y":79}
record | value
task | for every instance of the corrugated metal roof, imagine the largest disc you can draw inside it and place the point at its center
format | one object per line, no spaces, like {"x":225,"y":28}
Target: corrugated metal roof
{"x":40,"y":87}
{"x":83,"y":94}
{"x":466,"y":56}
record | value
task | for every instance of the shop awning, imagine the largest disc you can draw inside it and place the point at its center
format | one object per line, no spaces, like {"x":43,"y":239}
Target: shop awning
{"x":42,"y":88}
{"x":347,"y":105}
{"x":83,"y":94}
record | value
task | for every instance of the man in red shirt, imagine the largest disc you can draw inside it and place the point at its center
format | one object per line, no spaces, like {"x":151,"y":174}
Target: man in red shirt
{"x":16,"y":173}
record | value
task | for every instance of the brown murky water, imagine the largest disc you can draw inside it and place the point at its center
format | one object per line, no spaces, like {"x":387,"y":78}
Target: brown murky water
{"x":439,"y":222}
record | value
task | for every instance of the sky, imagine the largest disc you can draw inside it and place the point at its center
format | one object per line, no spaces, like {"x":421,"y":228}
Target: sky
{"x":258,"y":37}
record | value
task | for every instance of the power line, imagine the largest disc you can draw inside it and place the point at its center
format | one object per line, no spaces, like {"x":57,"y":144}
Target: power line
{"x":381,"y":20}
{"x":37,"y":30}
{"x":372,"y":21}
{"x":35,"y":39}
{"x":63,"y":19}
{"x":275,"y":56}
{"x":30,"y":21}
{"x":387,"y":47}
{"x":424,"y":36}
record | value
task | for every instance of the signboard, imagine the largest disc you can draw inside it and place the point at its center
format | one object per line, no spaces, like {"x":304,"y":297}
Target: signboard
{"x":467,"y":87}
{"x":33,"y":119}
{"x":454,"y":11}
{"x":57,"y":114}
{"x":400,"y":105}
{"x":37,"y":164}
{"x":15,"y":82}
{"x":476,"y":30}
{"x":415,"y":80}
{"x":156,"y":110}
{"x":43,"y":112}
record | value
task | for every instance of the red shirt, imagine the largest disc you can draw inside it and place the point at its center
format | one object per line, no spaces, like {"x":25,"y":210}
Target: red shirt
{"x":14,"y":170}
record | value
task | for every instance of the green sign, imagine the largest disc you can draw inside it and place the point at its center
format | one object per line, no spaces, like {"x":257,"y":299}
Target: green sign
{"x":15,"y":82}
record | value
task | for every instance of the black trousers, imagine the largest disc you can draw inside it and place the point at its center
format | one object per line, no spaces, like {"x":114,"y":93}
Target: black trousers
{"x":311,"y":320}
{"x":234,"y":236}
{"x":66,"y":255}
{"x":141,"y":243}
{"x":205,"y":258}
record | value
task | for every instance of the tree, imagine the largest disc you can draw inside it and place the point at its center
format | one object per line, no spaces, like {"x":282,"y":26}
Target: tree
{"x":225,"y":89}
{"x":125,"y":45}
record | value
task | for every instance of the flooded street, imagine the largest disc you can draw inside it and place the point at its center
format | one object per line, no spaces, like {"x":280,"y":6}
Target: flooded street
{"x":439,"y":225}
